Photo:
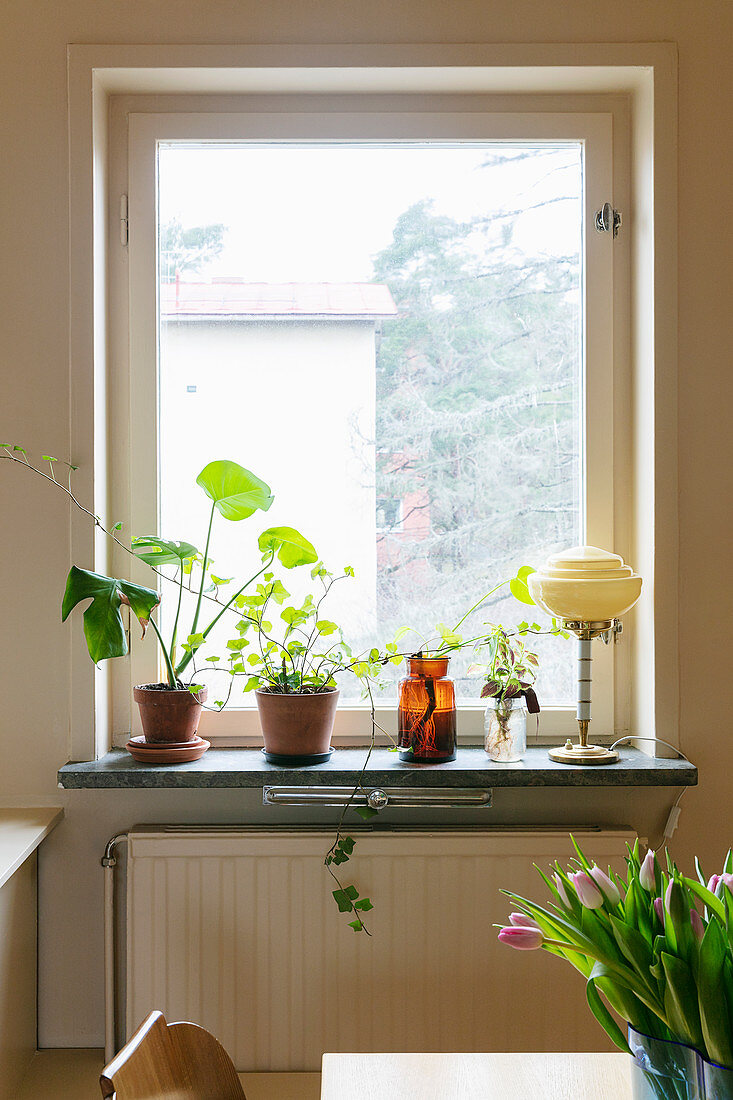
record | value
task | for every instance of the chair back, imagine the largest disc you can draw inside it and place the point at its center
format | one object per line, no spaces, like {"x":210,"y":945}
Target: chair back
{"x":171,"y":1062}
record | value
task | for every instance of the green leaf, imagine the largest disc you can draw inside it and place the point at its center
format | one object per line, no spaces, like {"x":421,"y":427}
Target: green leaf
{"x":680,"y":1001}
{"x":356,"y":925}
{"x":343,"y":900}
{"x":291,"y":547}
{"x":213,"y":660}
{"x":364,"y":904}
{"x":103,"y":627}
{"x":714,"y":1019}
{"x":236,"y":492}
{"x":154,"y":551}
{"x":365,"y":812}
{"x":47,"y":458}
{"x":252,"y":683}
{"x":604,"y":1017}
{"x":323,"y":626}
{"x":519,"y":590}
{"x":349,"y":570}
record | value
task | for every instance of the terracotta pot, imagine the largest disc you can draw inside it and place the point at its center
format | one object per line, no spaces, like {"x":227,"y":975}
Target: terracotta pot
{"x":168,"y":714}
{"x":297,"y":725}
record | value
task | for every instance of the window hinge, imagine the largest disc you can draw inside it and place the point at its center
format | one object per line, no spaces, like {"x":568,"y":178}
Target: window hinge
{"x":608,"y":220}
{"x":124,"y":221}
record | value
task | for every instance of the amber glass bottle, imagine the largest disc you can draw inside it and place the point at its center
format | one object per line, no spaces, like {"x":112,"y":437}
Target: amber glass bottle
{"x":426,"y":715}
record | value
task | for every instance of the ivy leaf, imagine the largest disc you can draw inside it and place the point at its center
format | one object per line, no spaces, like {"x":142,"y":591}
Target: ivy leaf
{"x":364,"y":904}
{"x":291,"y":547}
{"x":103,"y":627}
{"x":323,"y":626}
{"x":343,"y":900}
{"x":356,"y":925}
{"x":236,"y":492}
{"x":365,"y":812}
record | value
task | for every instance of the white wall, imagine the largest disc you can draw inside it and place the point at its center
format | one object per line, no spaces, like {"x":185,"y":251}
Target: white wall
{"x":36,"y":396}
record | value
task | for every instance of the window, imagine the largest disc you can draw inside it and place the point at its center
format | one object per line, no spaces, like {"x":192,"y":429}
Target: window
{"x":195,"y":335}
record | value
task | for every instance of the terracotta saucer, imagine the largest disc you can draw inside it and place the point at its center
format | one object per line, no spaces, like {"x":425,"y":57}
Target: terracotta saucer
{"x":154,"y":746}
{"x":157,"y":754}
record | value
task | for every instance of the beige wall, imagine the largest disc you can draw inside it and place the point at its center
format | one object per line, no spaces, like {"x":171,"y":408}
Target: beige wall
{"x":35,"y":411}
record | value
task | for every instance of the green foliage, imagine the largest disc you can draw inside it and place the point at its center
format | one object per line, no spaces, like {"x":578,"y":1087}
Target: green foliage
{"x":103,"y":627}
{"x":236,"y":492}
{"x":188,"y":249}
{"x":290,"y":546}
{"x":671,"y":978}
{"x":154,"y":551}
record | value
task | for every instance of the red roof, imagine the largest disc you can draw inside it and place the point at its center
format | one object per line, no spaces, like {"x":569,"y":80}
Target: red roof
{"x":230,"y":298}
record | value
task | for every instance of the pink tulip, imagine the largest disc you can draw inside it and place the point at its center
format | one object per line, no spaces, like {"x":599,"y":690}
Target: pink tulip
{"x":588,"y":893}
{"x":659,"y":909}
{"x":727,"y":880}
{"x":522,"y":939}
{"x":647,"y":876}
{"x":714,"y":883}
{"x":607,"y":886}
{"x":519,"y":920}
{"x":562,"y":891}
{"x":668,"y":895}
{"x":697,"y":925}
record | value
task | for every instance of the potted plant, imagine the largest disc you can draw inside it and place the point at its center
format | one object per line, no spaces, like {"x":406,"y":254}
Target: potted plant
{"x":169,"y":710}
{"x":295,"y":659}
{"x":657,"y":948}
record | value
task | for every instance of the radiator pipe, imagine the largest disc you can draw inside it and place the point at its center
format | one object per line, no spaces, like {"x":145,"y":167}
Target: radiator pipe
{"x":109,"y":862}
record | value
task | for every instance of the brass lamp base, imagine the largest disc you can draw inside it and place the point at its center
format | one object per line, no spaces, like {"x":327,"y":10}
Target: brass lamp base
{"x":582,"y":752}
{"x":573,"y":753}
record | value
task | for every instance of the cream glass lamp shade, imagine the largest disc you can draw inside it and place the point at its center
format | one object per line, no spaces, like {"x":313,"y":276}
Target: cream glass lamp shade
{"x":585,"y":584}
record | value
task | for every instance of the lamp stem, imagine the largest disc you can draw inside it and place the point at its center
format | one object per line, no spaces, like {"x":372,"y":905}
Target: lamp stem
{"x":584,"y":685}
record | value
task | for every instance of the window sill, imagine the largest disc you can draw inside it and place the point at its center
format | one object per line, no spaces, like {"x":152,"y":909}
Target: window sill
{"x":247,"y":768}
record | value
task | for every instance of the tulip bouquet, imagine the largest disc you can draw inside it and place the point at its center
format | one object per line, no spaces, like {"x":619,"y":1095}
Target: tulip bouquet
{"x":656,"y":946}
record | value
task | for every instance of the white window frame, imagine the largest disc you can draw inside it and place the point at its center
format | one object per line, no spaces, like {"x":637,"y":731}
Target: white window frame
{"x":147,"y":130}
{"x":104,"y":81}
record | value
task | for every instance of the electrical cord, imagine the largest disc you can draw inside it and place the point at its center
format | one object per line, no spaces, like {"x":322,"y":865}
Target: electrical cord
{"x":674,"y":814}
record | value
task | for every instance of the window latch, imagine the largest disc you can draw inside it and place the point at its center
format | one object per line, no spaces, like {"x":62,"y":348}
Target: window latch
{"x":608,"y":220}
{"x":124,"y":221}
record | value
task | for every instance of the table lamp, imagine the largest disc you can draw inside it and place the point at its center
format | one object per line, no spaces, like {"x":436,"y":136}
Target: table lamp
{"x":589,"y":589}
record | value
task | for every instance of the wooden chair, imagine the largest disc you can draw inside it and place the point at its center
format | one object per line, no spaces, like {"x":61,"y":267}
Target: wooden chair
{"x":171,"y":1062}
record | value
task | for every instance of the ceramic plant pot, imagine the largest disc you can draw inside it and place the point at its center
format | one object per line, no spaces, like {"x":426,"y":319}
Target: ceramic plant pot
{"x":168,"y":715}
{"x":297,"y":726}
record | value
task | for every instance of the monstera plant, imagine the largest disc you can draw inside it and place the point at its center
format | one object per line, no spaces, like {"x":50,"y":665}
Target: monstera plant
{"x":170,"y":710}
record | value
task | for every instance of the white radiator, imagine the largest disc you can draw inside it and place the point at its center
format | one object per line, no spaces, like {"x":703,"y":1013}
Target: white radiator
{"x":237,"y":930}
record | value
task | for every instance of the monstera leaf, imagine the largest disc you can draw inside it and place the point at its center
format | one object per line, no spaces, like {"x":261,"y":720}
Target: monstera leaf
{"x":154,"y":551}
{"x":291,"y":547}
{"x":103,"y":627}
{"x":236,"y":492}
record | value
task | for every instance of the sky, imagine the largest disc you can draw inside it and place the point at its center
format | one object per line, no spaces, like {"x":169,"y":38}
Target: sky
{"x":321,"y":213}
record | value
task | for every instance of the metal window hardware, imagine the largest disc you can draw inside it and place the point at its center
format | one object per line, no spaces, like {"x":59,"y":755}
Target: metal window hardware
{"x":124,"y":221}
{"x":608,"y":220}
{"x":376,"y":798}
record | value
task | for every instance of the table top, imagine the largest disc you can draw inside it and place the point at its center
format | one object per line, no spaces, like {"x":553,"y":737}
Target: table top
{"x":476,"y":1077}
{"x":21,"y":831}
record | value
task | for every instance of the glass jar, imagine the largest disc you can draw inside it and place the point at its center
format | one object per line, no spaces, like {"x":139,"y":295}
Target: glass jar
{"x":426,"y":714}
{"x":505,"y":729}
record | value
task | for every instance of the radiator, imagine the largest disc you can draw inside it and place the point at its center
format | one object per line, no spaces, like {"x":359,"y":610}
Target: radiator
{"x":236,"y":929}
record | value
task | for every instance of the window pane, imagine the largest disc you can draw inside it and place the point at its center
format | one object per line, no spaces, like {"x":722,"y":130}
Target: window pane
{"x":390,"y":336}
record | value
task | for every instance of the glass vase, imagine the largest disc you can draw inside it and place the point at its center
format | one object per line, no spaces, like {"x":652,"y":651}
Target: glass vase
{"x":426,"y":714}
{"x":662,"y":1069}
{"x":505,"y":729}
